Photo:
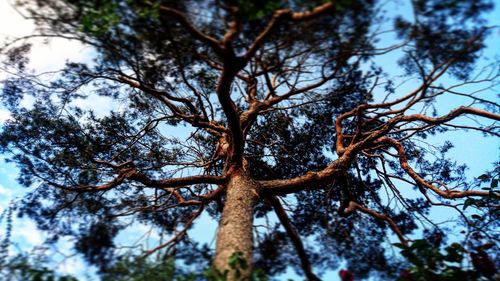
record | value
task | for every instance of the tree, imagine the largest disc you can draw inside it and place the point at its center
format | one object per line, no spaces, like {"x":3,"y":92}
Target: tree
{"x":240,"y":109}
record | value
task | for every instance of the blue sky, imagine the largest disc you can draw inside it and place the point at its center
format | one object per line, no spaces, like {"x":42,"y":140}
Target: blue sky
{"x":471,"y":148}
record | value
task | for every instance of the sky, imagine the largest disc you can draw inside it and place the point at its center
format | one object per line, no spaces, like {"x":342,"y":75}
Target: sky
{"x":478,"y":152}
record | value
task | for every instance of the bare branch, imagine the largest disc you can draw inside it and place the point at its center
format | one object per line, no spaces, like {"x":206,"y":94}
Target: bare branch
{"x":422,"y":183}
{"x":295,"y":237}
{"x":181,"y":18}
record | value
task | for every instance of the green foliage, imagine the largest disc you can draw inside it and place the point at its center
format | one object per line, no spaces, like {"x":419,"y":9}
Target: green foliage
{"x":151,"y":12}
{"x":238,"y":265}
{"x":430,"y":261}
{"x":253,"y":10}
{"x":98,"y":19}
{"x":485,"y":204}
{"x":21,"y":267}
{"x":132,"y":268}
{"x":493,"y":178}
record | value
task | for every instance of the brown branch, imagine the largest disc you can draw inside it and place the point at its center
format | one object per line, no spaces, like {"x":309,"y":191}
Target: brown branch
{"x":313,"y":180}
{"x":486,"y":130}
{"x":177,"y":182}
{"x":308,"y":15}
{"x":181,"y":18}
{"x":451,"y":115}
{"x":123,"y":174}
{"x":232,"y":66}
{"x":136,"y":83}
{"x":277,"y":16}
{"x":280,"y":15}
{"x":310,"y":180}
{"x":422,"y":183}
{"x":295,"y":237}
{"x":178,"y":235}
{"x":196,"y":120}
{"x":234,"y":27}
{"x":355,"y":206}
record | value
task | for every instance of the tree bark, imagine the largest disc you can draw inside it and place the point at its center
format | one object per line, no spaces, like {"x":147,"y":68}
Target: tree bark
{"x":235,"y":234}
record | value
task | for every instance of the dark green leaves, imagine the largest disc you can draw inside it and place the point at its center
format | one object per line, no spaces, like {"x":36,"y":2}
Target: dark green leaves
{"x":24,"y":267}
{"x":239,"y":266}
{"x":252,"y":10}
{"x":429,"y":262}
{"x":98,"y":19}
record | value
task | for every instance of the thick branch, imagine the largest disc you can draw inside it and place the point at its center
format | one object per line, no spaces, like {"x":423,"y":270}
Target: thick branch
{"x":453,"y":114}
{"x":422,"y":183}
{"x":177,"y":182}
{"x":231,"y":67}
{"x":181,"y":18}
{"x":310,"y":180}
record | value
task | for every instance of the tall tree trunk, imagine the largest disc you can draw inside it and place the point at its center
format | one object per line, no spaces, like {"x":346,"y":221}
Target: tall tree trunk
{"x":235,"y":234}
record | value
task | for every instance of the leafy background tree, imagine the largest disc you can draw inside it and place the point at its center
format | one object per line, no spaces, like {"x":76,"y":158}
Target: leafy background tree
{"x":245,"y":110}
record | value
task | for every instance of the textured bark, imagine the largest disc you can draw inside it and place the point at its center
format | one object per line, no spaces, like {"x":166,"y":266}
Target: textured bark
{"x":235,"y":232}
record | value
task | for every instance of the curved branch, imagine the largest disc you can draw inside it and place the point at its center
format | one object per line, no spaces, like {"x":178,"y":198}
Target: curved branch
{"x":122,"y":176}
{"x":283,"y":14}
{"x":196,"y":120}
{"x":232,"y":66}
{"x":178,"y":235}
{"x":181,"y":18}
{"x":422,"y":183}
{"x":353,"y":206}
{"x":310,"y":180}
{"x":451,"y":115}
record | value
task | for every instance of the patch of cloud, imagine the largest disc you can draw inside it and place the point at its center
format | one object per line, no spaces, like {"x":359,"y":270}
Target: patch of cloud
{"x":47,"y":54}
{"x":66,"y":261}
{"x":100,"y":105}
{"x":139,"y":234}
{"x":26,"y":231}
{"x":204,"y":230}
{"x":5,"y":192}
{"x":17,"y":25}
{"x":4,"y":115}
{"x":71,"y":266}
{"x":8,"y":173}
{"x":53,"y":54}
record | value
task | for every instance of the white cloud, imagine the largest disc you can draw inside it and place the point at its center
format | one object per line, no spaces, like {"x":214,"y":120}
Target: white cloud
{"x":99,"y":104}
{"x":46,"y":55}
{"x":71,"y":266}
{"x":139,"y":233}
{"x":5,"y":191}
{"x":53,"y":55}
{"x":8,"y":172}
{"x":13,"y":24}
{"x":4,"y":115}
{"x":26,"y":231}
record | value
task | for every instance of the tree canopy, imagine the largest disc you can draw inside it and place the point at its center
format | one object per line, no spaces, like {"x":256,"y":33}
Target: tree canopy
{"x":317,"y":118}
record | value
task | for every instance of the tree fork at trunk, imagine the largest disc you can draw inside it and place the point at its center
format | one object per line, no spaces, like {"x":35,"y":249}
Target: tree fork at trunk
{"x":235,"y":234}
